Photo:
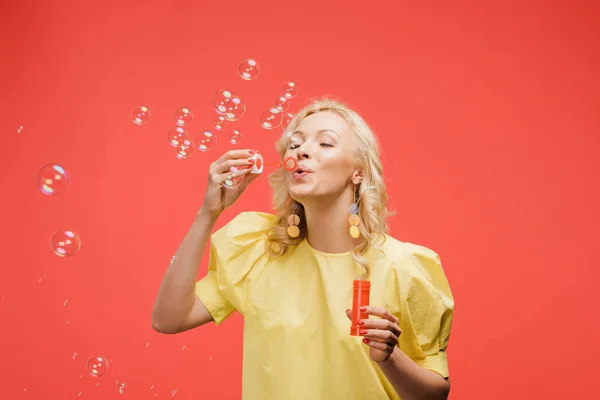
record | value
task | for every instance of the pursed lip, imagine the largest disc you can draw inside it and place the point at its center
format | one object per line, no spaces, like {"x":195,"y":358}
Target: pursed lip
{"x":302,"y":168}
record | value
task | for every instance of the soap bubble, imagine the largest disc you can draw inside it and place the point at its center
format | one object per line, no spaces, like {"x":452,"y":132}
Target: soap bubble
{"x":65,"y":243}
{"x":249,"y":69}
{"x":185,"y":149}
{"x":229,"y":105}
{"x":52,"y":179}
{"x":271,"y":118}
{"x":97,"y":366}
{"x":234,"y":178}
{"x":183,"y":116}
{"x":219,"y":123}
{"x":282,"y":103}
{"x":290,"y":90}
{"x":177,"y":136}
{"x":235,"y":137}
{"x":206,"y":141}
{"x":287,"y":118}
{"x":141,"y":115}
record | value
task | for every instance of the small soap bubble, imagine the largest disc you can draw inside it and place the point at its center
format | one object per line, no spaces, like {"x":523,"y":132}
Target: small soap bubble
{"x":122,"y":388}
{"x":183,"y":116}
{"x":229,"y":105}
{"x":219,"y":123}
{"x":147,"y":344}
{"x":173,"y":392}
{"x":234,"y":178}
{"x":74,"y":355}
{"x":52,"y":179}
{"x":271,"y":118}
{"x":235,"y":137}
{"x":287,"y":118}
{"x":97,"y":366}
{"x":20,"y":129}
{"x":65,"y":243}
{"x":141,"y":115}
{"x":206,"y":141}
{"x":249,"y":69}
{"x":185,"y":149}
{"x":40,"y":280}
{"x":65,"y":304}
{"x":177,"y":136}
{"x":282,"y":103}
{"x":183,"y":348}
{"x":290,"y":90}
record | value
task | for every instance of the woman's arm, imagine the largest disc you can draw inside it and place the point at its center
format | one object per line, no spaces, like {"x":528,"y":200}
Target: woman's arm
{"x":177,"y":308}
{"x":412,"y":381}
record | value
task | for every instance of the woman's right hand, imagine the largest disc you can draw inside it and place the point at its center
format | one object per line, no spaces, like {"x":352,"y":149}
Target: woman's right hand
{"x":218,"y":196}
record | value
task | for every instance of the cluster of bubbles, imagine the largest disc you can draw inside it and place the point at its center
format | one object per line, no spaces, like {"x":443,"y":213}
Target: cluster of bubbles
{"x":53,"y":180}
{"x":277,"y":114}
{"x":229,"y":107}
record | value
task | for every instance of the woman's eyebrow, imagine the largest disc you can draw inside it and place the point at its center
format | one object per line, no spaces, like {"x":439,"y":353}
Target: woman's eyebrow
{"x":319,"y":132}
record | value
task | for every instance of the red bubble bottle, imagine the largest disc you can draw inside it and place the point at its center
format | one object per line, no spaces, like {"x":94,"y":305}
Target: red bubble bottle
{"x":360,"y":298}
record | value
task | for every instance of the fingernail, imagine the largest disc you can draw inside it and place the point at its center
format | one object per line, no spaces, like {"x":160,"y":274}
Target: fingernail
{"x":251,"y":161}
{"x":362,"y":331}
{"x":363,"y":309}
{"x":360,"y":322}
{"x":366,"y":340}
{"x":348,"y":310}
{"x":252,"y":152}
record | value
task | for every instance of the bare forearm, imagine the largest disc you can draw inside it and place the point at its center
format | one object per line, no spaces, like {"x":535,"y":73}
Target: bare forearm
{"x":175,"y":297}
{"x":411,"y":381}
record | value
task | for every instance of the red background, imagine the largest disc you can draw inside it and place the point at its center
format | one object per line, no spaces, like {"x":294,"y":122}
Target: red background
{"x":488,"y":117}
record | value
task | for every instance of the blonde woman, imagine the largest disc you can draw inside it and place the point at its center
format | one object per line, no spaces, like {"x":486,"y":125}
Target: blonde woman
{"x":291,"y":274}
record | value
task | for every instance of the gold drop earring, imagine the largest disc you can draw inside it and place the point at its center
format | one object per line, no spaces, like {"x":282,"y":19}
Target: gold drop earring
{"x":354,"y":219}
{"x":293,"y":220}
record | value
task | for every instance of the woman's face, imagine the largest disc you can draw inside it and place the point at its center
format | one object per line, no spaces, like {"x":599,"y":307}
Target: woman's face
{"x":325,"y":148}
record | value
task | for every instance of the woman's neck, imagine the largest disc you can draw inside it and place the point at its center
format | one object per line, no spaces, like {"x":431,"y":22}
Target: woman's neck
{"x":328,"y":226}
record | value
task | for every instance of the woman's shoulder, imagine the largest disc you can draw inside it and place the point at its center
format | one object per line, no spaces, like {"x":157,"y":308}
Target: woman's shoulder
{"x":416,"y":268}
{"x":411,"y":259}
{"x":398,"y":251}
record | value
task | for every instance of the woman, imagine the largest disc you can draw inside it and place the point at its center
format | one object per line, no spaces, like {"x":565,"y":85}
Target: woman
{"x":291,"y":274}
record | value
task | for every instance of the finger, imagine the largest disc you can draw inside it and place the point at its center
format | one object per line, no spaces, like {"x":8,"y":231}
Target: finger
{"x":225,"y":166}
{"x":379,"y":346}
{"x":379,"y":335}
{"x":220,"y":178}
{"x":382,"y":324}
{"x":380,"y":312}
{"x":235,"y":153}
{"x":349,"y":314}
{"x":249,"y":178}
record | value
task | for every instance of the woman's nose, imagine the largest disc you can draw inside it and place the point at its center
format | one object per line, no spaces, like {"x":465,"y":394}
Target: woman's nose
{"x":303,"y":154}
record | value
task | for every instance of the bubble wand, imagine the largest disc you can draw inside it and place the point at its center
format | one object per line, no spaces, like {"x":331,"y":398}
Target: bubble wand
{"x":235,"y":178}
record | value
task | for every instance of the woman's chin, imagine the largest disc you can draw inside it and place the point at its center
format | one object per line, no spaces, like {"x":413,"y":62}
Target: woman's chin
{"x":298,"y":192}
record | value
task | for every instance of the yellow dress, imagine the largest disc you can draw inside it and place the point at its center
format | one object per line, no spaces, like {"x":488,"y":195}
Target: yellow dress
{"x":296,"y":333}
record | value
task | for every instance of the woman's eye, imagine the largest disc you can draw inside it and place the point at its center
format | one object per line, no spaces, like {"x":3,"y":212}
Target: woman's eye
{"x":326,"y":145}
{"x":293,"y":146}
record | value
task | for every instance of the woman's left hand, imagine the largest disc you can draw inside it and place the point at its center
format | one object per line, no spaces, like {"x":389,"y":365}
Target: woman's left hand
{"x":381,"y":335}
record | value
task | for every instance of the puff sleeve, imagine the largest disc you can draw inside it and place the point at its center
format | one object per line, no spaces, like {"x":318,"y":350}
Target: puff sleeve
{"x":237,"y":251}
{"x":425,"y":308}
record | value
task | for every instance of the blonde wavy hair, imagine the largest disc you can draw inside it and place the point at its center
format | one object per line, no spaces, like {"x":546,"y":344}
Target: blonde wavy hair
{"x":370,"y":193}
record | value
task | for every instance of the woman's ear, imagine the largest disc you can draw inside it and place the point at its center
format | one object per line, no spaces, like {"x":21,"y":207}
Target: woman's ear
{"x":357,"y":176}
